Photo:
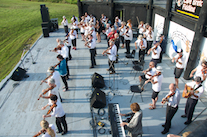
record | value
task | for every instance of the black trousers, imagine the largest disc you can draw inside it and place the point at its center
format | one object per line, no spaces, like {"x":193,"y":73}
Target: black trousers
{"x":122,"y":39}
{"x":141,"y":54}
{"x":59,"y":121}
{"x":93,"y":53}
{"x":149,"y":45}
{"x":189,"y":108}
{"x":74,"y":42}
{"x":170,"y":112}
{"x":64,"y":79}
{"x":111,"y":65}
{"x":66,"y":29}
{"x":69,"y":55}
{"x":155,"y":61}
{"x":128,"y":46}
{"x":68,"y":72}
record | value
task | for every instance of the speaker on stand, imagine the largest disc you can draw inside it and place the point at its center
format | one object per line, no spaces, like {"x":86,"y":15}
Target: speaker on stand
{"x":98,"y":99}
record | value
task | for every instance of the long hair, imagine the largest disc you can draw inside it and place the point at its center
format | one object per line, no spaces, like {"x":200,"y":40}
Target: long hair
{"x":45,"y":125}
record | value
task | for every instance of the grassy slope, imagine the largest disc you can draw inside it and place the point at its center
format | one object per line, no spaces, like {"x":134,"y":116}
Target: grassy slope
{"x":21,"y":25}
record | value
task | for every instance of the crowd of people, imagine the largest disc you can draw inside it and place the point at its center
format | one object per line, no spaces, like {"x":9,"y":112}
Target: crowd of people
{"x":91,"y":29}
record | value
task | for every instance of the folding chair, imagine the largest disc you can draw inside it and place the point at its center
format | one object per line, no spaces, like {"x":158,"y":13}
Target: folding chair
{"x":138,"y":67}
{"x":135,"y":89}
{"x":130,"y":56}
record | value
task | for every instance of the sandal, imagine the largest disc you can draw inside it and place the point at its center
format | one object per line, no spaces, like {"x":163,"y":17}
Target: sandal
{"x":151,"y":108}
{"x":151,"y":105}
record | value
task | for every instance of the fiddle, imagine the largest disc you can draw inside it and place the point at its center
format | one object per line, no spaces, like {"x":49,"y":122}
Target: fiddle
{"x":53,"y":106}
{"x":56,"y":48}
{"x":45,"y":79}
{"x":39,"y":133}
{"x":204,"y":71}
{"x":166,"y":98}
{"x":179,"y":58}
{"x":57,"y":64}
{"x":44,"y":91}
{"x":106,"y":51}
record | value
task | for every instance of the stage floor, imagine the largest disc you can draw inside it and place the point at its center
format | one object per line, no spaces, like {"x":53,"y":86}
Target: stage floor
{"x":20,"y":111}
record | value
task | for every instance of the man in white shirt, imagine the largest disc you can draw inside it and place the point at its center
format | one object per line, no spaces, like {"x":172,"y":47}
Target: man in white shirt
{"x":200,"y":70}
{"x":156,"y":81}
{"x":149,"y":37}
{"x":91,"y":44}
{"x":121,"y":32}
{"x":179,"y":59}
{"x":142,"y":45}
{"x":195,"y":93}
{"x":73,"y":35}
{"x":68,"y":43}
{"x":148,"y":73}
{"x":128,"y":36}
{"x":59,"y":114}
{"x":112,"y":52}
{"x":173,"y":100}
{"x":156,"y":49}
{"x":65,"y":24}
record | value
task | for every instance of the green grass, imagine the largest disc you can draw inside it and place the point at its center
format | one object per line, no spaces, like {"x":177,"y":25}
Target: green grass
{"x":21,"y":25}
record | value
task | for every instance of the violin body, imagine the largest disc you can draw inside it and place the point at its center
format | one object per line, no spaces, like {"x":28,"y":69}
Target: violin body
{"x":164,"y":101}
{"x":48,"y":112}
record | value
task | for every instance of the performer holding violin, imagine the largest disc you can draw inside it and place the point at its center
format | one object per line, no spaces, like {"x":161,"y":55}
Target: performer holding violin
{"x":195,"y":93}
{"x":172,"y":99}
{"x":59,"y":113}
{"x":156,"y":49}
{"x":179,"y":59}
{"x":112,"y":52}
{"x":48,"y":130}
{"x":156,"y":81}
{"x":200,"y":70}
{"x":91,"y":44}
{"x":148,"y":73}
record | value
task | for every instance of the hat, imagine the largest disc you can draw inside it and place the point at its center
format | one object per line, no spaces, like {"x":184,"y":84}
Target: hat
{"x":140,"y":37}
{"x":51,"y":81}
{"x":50,"y":69}
{"x":159,"y":68}
{"x":197,"y":79}
{"x":64,"y":17}
{"x":179,"y":50}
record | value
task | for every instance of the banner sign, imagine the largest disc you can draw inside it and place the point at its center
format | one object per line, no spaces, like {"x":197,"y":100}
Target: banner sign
{"x":189,"y":7}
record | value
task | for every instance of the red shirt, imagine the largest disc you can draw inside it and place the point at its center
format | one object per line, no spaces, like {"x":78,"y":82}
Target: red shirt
{"x":111,"y":35}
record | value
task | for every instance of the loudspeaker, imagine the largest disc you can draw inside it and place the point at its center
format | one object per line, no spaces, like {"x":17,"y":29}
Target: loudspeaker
{"x":18,"y":74}
{"x":97,"y":81}
{"x":98,"y":99}
{"x":44,"y":13}
{"x":45,"y":31}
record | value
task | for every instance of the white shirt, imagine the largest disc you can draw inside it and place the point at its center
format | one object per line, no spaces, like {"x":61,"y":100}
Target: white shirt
{"x":129,"y":35}
{"x":113,"y":52}
{"x":53,"y":128}
{"x":194,"y":86}
{"x":87,"y":18}
{"x":75,"y":24}
{"x":82,"y":30}
{"x":149,"y":37}
{"x":181,"y":60}
{"x":198,"y":72}
{"x":58,"y":110}
{"x":122,"y":30}
{"x":158,"y":50}
{"x":92,"y":44}
{"x":108,"y":31}
{"x":144,"y":46}
{"x":54,"y":91}
{"x":73,"y":18}
{"x":150,"y":73}
{"x":86,"y":30}
{"x":56,"y":77}
{"x":68,"y":43}
{"x":174,"y":100}
{"x":65,"y":22}
{"x":157,"y":86}
{"x":64,"y":51}
{"x":94,"y":35}
{"x":141,"y":29}
{"x":73,"y":35}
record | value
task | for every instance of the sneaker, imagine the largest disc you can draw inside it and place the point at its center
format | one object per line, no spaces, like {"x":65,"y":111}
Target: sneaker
{"x":63,"y":133}
{"x":164,"y":132}
{"x":183,"y":116}
{"x":187,"y":122}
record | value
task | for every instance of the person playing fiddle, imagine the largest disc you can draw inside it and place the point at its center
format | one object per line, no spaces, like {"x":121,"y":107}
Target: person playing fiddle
{"x":141,"y":43}
{"x":148,"y":73}
{"x":156,"y":49}
{"x":180,"y":60}
{"x":111,"y":52}
{"x":156,"y":81}
{"x":173,"y":100}
{"x":91,"y":44}
{"x":73,"y":36}
{"x":200,"y":70}
{"x":52,"y":90}
{"x":48,"y":130}
{"x":59,"y":114}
